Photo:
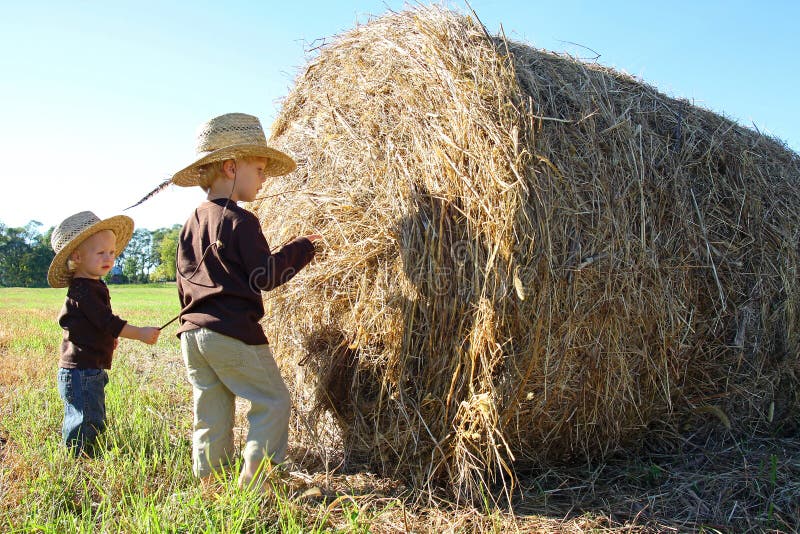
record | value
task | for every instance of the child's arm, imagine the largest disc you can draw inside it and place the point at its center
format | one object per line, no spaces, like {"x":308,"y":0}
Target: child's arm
{"x":145,"y":334}
{"x":277,"y":268}
{"x":267,"y":270}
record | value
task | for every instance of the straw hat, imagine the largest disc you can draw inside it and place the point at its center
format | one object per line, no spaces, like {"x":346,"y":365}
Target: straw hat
{"x":228,"y":137}
{"x":73,"y":231}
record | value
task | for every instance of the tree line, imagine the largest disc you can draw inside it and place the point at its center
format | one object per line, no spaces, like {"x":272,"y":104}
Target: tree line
{"x":25,"y":255}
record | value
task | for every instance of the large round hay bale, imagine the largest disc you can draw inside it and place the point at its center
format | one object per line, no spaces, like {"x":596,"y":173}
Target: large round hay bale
{"x":527,"y":258}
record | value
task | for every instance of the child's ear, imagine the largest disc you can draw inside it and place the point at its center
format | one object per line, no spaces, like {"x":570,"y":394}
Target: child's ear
{"x":229,"y":168}
{"x":75,"y":256}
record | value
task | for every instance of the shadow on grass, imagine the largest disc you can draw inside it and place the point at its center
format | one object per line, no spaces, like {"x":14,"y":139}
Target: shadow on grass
{"x":714,"y":482}
{"x":711,"y":483}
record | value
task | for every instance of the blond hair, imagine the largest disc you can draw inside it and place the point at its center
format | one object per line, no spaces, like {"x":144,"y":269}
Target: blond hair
{"x":210,"y":172}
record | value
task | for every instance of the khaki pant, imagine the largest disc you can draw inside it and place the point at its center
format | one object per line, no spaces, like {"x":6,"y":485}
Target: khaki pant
{"x":220,"y":368}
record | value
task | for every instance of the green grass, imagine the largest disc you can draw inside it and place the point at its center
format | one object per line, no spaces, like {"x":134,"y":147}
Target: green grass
{"x":32,"y":313}
{"x":141,"y":481}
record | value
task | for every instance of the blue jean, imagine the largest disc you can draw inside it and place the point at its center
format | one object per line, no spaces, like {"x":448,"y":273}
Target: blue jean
{"x":83,"y":393}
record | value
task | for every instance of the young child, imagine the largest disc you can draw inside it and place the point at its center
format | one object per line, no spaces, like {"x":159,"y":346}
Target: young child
{"x":85,"y":248}
{"x":223,"y":265}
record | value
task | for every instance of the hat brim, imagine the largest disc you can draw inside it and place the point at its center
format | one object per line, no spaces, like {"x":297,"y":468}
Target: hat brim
{"x":278,"y":163}
{"x":59,"y":276}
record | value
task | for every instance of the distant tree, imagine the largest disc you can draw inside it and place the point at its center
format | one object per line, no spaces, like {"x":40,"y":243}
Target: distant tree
{"x":137,"y":260}
{"x":155,"y":246}
{"x":38,"y":258}
{"x":12,"y":247}
{"x":165,"y":243}
{"x":25,"y":255}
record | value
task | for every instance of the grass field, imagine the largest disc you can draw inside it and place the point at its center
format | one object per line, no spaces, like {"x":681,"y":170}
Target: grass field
{"x":142,"y":482}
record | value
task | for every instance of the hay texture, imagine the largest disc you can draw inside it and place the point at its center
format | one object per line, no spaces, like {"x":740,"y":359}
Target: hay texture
{"x":527,"y":258}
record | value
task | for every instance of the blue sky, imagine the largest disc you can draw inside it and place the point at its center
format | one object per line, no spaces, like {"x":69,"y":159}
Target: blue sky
{"x":99,"y":101}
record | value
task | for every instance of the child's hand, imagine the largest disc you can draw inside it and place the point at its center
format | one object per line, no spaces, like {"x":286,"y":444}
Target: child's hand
{"x":116,"y":343}
{"x":313,"y":237}
{"x":149,"y":334}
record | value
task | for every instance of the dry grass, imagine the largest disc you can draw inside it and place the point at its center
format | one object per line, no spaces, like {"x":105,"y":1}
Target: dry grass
{"x":530,"y":261}
{"x":143,"y":481}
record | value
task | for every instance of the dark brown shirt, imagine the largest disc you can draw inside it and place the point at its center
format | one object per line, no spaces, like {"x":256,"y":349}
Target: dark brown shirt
{"x":90,"y":327}
{"x":223,"y":292}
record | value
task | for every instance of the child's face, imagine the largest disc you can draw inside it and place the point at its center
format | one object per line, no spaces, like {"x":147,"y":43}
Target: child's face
{"x":95,"y":256}
{"x":249,"y":178}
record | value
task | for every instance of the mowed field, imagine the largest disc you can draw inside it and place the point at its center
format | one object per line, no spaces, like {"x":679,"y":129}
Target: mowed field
{"x":142,"y":481}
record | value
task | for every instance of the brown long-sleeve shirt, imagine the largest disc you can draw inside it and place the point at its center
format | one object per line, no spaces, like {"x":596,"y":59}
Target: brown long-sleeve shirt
{"x":90,"y":326}
{"x":223,"y":293}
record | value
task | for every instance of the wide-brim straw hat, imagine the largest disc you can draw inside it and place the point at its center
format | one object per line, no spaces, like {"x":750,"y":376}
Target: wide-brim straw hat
{"x":231,"y":136}
{"x":73,"y":231}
